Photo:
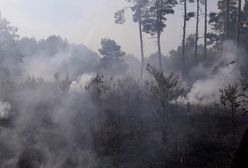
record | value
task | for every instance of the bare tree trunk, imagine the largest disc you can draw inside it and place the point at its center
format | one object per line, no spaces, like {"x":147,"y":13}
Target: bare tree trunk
{"x":197,"y":31}
{"x":226,"y":29}
{"x":158,"y":6}
{"x":159,"y":52}
{"x":238,"y":23}
{"x":164,"y":124}
{"x":184,"y":37}
{"x":233,"y":129}
{"x":141,"y":48}
{"x":119,"y":132}
{"x":205,"y":29}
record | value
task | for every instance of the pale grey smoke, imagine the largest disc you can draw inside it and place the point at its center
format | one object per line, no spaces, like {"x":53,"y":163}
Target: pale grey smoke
{"x":5,"y":108}
{"x":225,"y":72}
{"x":79,"y":84}
{"x":54,"y":55}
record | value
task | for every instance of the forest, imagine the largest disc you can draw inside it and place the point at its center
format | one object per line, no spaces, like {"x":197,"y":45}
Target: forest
{"x":63,"y":105}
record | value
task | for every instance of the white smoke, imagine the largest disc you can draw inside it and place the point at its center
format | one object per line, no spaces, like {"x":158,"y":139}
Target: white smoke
{"x":80,"y":83}
{"x":5,"y":108}
{"x":225,"y":72}
{"x":46,"y":57}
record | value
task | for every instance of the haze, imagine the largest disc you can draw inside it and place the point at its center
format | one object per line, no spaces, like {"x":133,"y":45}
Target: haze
{"x":87,"y":21}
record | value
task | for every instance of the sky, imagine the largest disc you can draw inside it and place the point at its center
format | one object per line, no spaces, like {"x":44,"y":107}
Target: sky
{"x":88,"y":21}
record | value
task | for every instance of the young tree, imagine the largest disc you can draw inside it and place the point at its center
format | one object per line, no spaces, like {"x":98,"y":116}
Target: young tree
{"x":155,"y":18}
{"x":112,"y":60}
{"x":164,"y":92}
{"x":233,"y":100}
{"x":138,"y":10}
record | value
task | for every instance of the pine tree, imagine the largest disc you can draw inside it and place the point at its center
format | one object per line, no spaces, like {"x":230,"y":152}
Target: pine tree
{"x":238,"y":22}
{"x":197,"y":30}
{"x":186,"y":17}
{"x":223,"y":22}
{"x":138,"y":10}
{"x":205,"y":28}
{"x":155,"y":18}
{"x":112,"y":60}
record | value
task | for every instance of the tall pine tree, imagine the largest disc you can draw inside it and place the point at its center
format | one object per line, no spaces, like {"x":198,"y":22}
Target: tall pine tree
{"x":155,"y":18}
{"x":139,"y":10}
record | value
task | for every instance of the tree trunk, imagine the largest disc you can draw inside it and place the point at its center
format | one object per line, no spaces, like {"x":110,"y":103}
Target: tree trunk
{"x":205,"y":29}
{"x":164,"y":124}
{"x":141,"y":48}
{"x":197,"y":31}
{"x":184,"y":37}
{"x":238,"y":23}
{"x":226,"y":31}
{"x":240,"y":158}
{"x":158,"y":6}
{"x":159,"y":52}
{"x":233,"y":129}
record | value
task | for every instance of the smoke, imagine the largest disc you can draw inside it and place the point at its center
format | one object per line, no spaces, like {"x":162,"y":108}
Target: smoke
{"x":5,"y":108}
{"x":48,"y":119}
{"x":50,"y":127}
{"x":225,"y":71}
{"x":56,"y":56}
{"x":79,"y":84}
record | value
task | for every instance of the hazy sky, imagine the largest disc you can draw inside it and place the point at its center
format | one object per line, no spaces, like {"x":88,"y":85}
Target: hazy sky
{"x":87,"y":21}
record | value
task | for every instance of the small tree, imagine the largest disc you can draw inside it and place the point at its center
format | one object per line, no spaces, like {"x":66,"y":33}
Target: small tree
{"x":164,"y":92}
{"x":233,"y":100}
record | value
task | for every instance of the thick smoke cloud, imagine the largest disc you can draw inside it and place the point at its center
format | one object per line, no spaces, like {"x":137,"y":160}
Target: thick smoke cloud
{"x":54,"y":55}
{"x":226,"y":71}
{"x":42,"y":123}
{"x":48,"y":129}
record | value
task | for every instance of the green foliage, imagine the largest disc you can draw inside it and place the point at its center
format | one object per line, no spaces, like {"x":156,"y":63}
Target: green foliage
{"x":112,"y":56}
{"x":190,"y":15}
{"x":110,"y":48}
{"x":98,"y":87}
{"x":166,"y":88}
{"x":155,"y":17}
{"x":138,"y":8}
{"x":120,"y":16}
{"x":217,"y":19}
{"x":232,"y":98}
